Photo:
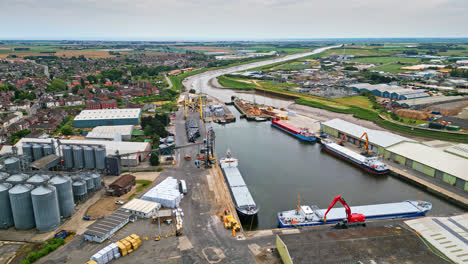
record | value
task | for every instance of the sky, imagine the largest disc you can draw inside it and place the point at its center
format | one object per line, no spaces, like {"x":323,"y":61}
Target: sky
{"x":231,"y":19}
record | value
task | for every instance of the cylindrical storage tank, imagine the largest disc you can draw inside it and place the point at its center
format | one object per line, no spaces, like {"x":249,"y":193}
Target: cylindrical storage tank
{"x":21,"y":206}
{"x":6,"y":217}
{"x":67,"y":156}
{"x":89,"y":184}
{"x":46,"y":208}
{"x":100,"y":156}
{"x":63,"y":184}
{"x":79,"y":190}
{"x":12,"y":164}
{"x":17,"y":178}
{"x":78,"y":157}
{"x":27,"y":151}
{"x":3,"y":176}
{"x":96,"y":180}
{"x":48,"y":150}
{"x":37,"y":179}
{"x":37,"y":151}
{"x":89,"y":158}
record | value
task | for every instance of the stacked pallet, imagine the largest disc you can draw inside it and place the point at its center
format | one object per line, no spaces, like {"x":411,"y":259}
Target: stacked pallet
{"x":115,"y":250}
{"x":106,"y":254}
{"x":166,"y":193}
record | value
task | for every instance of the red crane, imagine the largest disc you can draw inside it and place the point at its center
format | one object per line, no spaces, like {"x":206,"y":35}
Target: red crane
{"x":351,"y":218}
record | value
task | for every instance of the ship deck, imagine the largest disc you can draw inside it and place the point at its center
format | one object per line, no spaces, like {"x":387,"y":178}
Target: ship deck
{"x":239,"y":190}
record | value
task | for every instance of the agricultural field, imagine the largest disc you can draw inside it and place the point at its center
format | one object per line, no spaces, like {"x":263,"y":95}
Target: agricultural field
{"x":393,"y":68}
{"x":385,"y":60}
{"x":206,"y":49}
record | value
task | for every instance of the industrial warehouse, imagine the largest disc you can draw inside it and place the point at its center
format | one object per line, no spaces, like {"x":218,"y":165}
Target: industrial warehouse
{"x":389,"y":91}
{"x":107,"y":117}
{"x":111,"y":133}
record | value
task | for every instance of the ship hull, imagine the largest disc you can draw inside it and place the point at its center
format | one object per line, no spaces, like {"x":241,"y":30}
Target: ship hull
{"x":362,"y":166}
{"x":299,"y":136}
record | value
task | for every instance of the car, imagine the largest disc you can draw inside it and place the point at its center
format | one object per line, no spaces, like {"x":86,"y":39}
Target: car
{"x":119,"y":202}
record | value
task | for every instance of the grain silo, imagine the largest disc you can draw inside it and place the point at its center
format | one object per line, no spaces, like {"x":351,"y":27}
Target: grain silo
{"x":89,"y":184}
{"x":67,"y":156}
{"x":79,"y":190}
{"x":96,"y":180}
{"x":89,"y":157}
{"x":6,"y":217}
{"x":78,"y":159}
{"x":63,"y":184}
{"x":48,"y":149}
{"x":37,"y":150}
{"x":27,"y":151}
{"x":17,"y":178}
{"x":100,"y":156}
{"x":37,"y":179}
{"x":46,"y":208}
{"x":21,"y":206}
{"x":3,"y":176}
{"x":12,"y":164}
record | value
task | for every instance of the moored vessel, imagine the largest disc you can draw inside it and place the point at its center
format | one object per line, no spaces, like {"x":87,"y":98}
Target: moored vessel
{"x":302,"y":133}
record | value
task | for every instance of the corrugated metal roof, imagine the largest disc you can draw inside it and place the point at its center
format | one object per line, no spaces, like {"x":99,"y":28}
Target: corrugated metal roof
{"x":459,"y":150}
{"x":103,"y":226}
{"x":109,"y":114}
{"x":376,"y":137}
{"x":431,"y":100}
{"x":447,"y":234}
{"x":432,"y":157}
{"x":142,"y":206}
{"x":108,"y":132}
{"x":123,"y":181}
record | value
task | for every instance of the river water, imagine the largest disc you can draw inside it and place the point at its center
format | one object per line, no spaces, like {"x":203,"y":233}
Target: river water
{"x":277,"y":167}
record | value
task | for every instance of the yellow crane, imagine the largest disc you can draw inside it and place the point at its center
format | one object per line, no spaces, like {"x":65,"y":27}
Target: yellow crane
{"x":193,"y":104}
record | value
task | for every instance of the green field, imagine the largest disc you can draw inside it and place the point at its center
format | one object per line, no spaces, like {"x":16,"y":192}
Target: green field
{"x":385,"y":60}
{"x":393,"y":68}
{"x":235,"y":83}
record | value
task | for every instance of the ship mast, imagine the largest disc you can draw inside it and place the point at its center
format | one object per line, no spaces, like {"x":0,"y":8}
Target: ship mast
{"x":298,"y":203}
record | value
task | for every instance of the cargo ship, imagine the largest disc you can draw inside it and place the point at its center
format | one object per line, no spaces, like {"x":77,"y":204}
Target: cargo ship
{"x":245,"y":205}
{"x":302,"y":133}
{"x":370,"y":164}
{"x":306,"y":215}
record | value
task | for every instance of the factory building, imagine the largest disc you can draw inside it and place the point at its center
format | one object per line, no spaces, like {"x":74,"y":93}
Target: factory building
{"x":104,"y":228}
{"x":108,"y":117}
{"x":141,"y":208}
{"x":434,"y":162}
{"x":419,"y":103}
{"x":87,"y":154}
{"x":389,"y":91}
{"x":112,"y":133}
{"x":378,"y":140}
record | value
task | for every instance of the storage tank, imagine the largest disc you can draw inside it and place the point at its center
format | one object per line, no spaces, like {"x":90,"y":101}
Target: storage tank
{"x":6,"y":217}
{"x":17,"y":178}
{"x":78,"y":157}
{"x":79,"y":190}
{"x":67,"y":156}
{"x":96,"y":180}
{"x":89,"y":184}
{"x":27,"y":151}
{"x":37,"y":151}
{"x":100,"y":157}
{"x":12,"y":164}
{"x":89,"y":157}
{"x":46,"y":208}
{"x":37,"y":179}
{"x":21,"y":206}
{"x":3,"y":176}
{"x":63,"y":184}
{"x":48,"y":150}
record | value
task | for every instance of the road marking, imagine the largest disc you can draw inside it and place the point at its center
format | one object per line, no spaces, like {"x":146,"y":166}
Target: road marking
{"x":217,"y":253}
{"x":184,"y":243}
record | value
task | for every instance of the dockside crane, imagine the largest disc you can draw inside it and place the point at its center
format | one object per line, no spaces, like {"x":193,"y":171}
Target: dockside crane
{"x":343,"y":139}
{"x":322,"y":134}
{"x":366,"y":146}
{"x":352,"y":219}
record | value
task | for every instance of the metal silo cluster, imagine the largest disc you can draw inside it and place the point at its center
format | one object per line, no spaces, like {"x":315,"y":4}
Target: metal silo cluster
{"x":46,"y":207}
{"x":84,"y":157}
{"x":35,"y":151}
{"x":63,"y":185}
{"x":84,"y":184}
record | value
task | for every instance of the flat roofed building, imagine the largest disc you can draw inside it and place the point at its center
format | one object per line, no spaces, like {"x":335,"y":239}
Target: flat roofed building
{"x":141,"y":208}
{"x":111,"y":133}
{"x":378,"y":139}
{"x":104,"y":228}
{"x":107,"y":117}
{"x":434,"y":162}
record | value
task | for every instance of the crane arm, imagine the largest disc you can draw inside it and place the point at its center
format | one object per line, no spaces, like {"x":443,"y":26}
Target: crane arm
{"x":367,"y":140}
{"x":342,"y":201}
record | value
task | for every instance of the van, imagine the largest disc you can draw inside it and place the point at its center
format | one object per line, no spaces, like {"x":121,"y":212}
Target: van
{"x":183,"y":187}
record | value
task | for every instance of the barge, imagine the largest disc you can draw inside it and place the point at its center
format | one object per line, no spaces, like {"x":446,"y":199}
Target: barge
{"x":370,"y":164}
{"x":306,"y":215}
{"x":243,"y":201}
{"x":301,"y":133}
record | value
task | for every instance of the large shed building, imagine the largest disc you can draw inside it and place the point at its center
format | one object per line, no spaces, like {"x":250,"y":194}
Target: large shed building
{"x":112,"y":133}
{"x":108,"y":117}
{"x":122,"y":185}
{"x":434,"y":162}
{"x":105,"y":228}
{"x":141,"y":208}
{"x":378,"y":140}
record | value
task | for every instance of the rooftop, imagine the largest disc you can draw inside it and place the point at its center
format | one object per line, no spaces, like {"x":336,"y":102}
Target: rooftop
{"x":432,"y":157}
{"x":123,"y":181}
{"x":109,"y":132}
{"x":432,"y":100}
{"x":103,"y":226}
{"x":108,"y":114}
{"x":139,"y":205}
{"x":378,"y":137}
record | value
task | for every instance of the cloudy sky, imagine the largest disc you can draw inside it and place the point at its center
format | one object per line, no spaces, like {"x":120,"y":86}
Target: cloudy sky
{"x":231,"y":19}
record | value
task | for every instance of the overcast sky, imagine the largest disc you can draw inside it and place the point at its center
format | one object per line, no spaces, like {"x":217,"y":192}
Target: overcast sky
{"x":231,"y":19}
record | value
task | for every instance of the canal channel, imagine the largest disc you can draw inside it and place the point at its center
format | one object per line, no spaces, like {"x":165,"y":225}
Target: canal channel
{"x":277,"y":167}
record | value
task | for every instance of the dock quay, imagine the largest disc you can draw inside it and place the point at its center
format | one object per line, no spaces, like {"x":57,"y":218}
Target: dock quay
{"x":254,"y":112}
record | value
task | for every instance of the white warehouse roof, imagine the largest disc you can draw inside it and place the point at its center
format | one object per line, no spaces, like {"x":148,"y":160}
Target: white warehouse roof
{"x":431,"y":100}
{"x":376,"y":137}
{"x":109,"y":132}
{"x":432,"y":157}
{"x":109,"y":114}
{"x":142,"y":206}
